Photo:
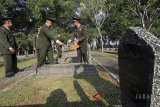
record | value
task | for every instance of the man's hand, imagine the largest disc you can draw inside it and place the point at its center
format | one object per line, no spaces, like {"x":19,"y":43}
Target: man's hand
{"x":59,"y":35}
{"x":11,"y":50}
{"x":34,"y":49}
{"x":69,"y":41}
{"x":76,"y":41}
{"x":59,"y":42}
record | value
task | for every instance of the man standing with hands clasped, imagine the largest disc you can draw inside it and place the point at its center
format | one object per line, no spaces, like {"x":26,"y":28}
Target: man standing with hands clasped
{"x":44,"y":48}
{"x":8,"y":47}
{"x":81,"y":40}
{"x":35,"y":38}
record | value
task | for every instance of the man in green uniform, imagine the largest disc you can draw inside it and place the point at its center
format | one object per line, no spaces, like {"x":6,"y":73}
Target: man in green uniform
{"x":44,"y":48}
{"x":81,"y":40}
{"x":35,"y":38}
{"x":8,"y":47}
{"x":59,"y":47}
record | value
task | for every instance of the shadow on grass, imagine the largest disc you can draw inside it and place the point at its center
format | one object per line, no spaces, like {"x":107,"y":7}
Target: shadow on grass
{"x":113,"y":70}
{"x":110,"y":92}
{"x":58,"y":98}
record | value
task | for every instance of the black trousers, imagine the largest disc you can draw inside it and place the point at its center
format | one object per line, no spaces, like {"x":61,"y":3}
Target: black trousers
{"x":82,"y":55}
{"x":10,"y":64}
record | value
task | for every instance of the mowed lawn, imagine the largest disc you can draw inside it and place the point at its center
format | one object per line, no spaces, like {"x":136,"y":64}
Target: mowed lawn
{"x":63,"y":92}
{"x":21,"y":65}
{"x":105,"y":54}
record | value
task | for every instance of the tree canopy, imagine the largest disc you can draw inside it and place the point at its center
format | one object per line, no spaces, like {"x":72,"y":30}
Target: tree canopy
{"x":118,"y":16}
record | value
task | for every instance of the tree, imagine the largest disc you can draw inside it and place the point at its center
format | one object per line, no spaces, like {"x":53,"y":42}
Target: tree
{"x":97,"y":11}
{"x":147,"y":11}
{"x":91,"y":33}
{"x":40,"y":9}
{"x":1,"y":8}
{"x":62,"y":10}
{"x":24,"y":42}
{"x":118,"y":21}
{"x":5,"y":6}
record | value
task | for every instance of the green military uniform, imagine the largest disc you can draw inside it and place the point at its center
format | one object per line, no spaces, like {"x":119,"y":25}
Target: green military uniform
{"x":44,"y":47}
{"x":80,"y":34}
{"x":59,"y":49}
{"x":35,"y":39}
{"x":7,"y":40}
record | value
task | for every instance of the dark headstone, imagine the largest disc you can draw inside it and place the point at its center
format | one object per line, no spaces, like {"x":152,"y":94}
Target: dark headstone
{"x":139,"y":68}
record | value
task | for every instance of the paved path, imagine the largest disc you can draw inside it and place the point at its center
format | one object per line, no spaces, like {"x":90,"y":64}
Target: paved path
{"x":67,"y":70}
{"x":108,"y":61}
{"x":7,"y":83}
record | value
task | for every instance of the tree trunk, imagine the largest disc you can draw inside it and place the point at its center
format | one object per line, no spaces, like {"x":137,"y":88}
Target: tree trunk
{"x":143,"y":22}
{"x":99,"y":31}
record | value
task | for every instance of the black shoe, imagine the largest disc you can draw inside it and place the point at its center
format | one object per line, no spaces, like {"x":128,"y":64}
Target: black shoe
{"x":46,"y":62}
{"x":56,"y":62}
{"x":9,"y":75}
{"x":16,"y":71}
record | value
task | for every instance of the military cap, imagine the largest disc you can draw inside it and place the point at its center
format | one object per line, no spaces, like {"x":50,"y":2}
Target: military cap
{"x":51,"y":19}
{"x":5,"y":18}
{"x":76,"y":18}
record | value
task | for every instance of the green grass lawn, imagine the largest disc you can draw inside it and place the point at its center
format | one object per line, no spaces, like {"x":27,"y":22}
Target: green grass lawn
{"x":63,"y":92}
{"x":21,"y":64}
{"x":109,"y":55}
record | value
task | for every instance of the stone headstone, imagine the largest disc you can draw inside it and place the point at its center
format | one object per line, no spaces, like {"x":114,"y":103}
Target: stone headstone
{"x":139,"y":68}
